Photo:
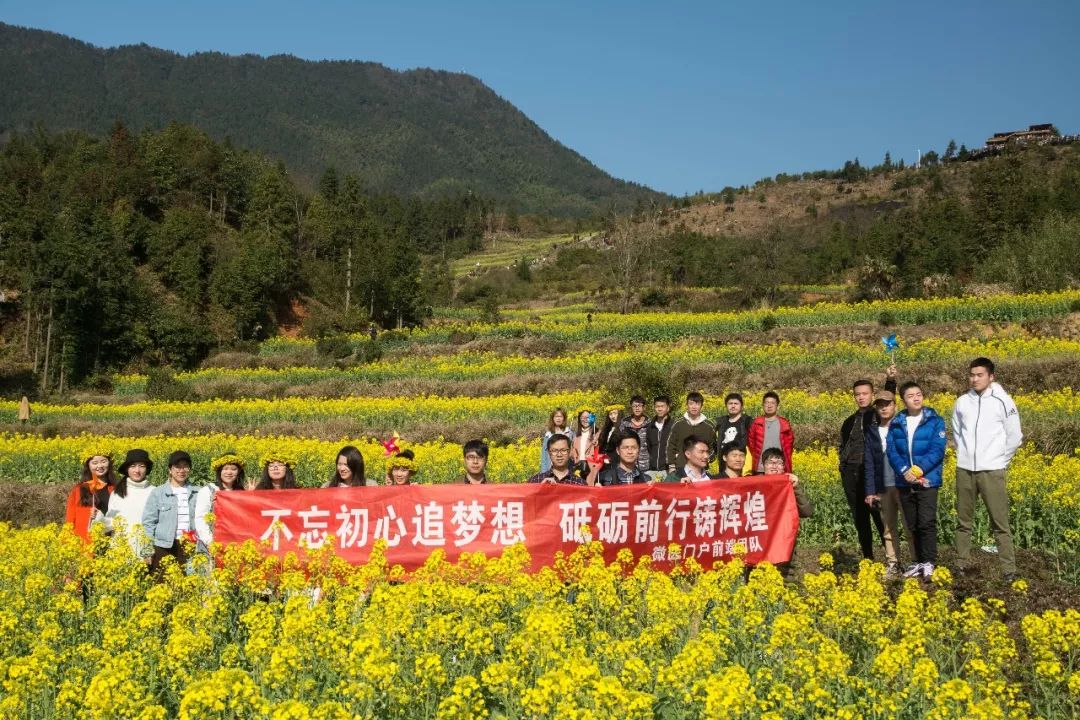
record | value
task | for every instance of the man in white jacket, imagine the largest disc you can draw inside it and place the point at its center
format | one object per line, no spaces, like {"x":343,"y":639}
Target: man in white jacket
{"x":986,"y":426}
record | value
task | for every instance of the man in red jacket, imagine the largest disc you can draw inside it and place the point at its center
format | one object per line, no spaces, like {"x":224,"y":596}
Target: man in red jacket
{"x":769,"y":430}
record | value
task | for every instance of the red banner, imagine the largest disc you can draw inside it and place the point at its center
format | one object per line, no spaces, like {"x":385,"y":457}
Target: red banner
{"x":705,"y":520}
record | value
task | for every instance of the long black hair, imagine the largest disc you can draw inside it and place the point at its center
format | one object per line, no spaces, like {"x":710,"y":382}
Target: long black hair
{"x":355,"y":460}
{"x":86,"y":498}
{"x":287,"y":483}
{"x":238,"y":483}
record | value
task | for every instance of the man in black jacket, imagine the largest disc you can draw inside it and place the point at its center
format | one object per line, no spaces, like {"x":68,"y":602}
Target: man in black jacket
{"x":626,"y":470}
{"x":852,"y":471}
{"x":656,"y":437}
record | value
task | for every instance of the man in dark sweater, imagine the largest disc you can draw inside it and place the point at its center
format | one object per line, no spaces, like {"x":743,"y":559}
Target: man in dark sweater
{"x":734,"y":427}
{"x":692,"y":424}
{"x":852,"y":469}
{"x":657,"y":434}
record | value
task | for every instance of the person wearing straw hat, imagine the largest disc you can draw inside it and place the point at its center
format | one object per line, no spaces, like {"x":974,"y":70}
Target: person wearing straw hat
{"x":278,"y":472}
{"x":89,"y":499}
{"x":128,"y":499}
{"x":228,"y":472}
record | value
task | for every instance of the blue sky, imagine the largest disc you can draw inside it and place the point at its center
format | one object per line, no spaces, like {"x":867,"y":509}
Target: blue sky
{"x":681,"y":96}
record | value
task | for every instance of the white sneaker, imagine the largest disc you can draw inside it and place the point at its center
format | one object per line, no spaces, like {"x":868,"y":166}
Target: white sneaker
{"x":914,"y":570}
{"x":892,"y":571}
{"x":927,"y":570}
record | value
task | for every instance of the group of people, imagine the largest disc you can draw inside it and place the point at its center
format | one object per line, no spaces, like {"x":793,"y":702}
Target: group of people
{"x":890,"y":459}
{"x":890,"y":466}
{"x":891,"y":463}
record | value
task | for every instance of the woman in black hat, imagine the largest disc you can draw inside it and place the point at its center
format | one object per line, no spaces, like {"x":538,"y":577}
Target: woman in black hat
{"x":128,"y":499}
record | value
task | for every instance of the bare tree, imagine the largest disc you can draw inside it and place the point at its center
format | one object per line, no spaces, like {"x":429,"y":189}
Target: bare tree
{"x":629,"y":240}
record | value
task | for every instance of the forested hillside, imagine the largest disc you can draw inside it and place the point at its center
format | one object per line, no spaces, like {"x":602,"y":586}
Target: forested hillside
{"x":880,"y":231}
{"x":422,"y":131}
{"x":158,"y":247}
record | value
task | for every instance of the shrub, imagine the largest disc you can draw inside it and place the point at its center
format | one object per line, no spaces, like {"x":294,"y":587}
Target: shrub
{"x":654,"y":297}
{"x":335,"y":347}
{"x":161,"y":384}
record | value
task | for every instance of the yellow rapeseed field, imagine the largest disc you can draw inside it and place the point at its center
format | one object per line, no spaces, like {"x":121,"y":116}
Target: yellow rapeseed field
{"x":87,"y":635}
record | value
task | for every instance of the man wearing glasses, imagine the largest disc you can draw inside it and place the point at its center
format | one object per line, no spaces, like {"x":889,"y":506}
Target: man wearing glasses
{"x":560,"y":472}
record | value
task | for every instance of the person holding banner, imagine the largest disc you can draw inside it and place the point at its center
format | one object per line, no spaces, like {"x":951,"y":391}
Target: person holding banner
{"x":228,"y":472}
{"x":348,"y":470}
{"x":277,"y":472}
{"x":475,"y":454}
{"x":774,"y":463}
{"x":916,"y":450}
{"x":626,"y":471}
{"x":696,"y":452}
{"x":89,"y":499}
{"x":402,"y":468}
{"x":732,"y":460}
{"x":167,"y":517}
{"x":560,"y":472}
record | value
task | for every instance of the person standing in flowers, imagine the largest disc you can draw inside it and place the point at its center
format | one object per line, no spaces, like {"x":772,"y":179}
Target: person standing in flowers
{"x":916,"y":451}
{"x":557,"y":423}
{"x":626,"y":471}
{"x":475,"y":455}
{"x":228,"y":472}
{"x":277,"y":472}
{"x":129,"y":498}
{"x":348,"y":469}
{"x":638,"y":424}
{"x":732,"y":460}
{"x":168,"y":517}
{"x":852,"y":465}
{"x":89,"y":499}
{"x":692,"y":424}
{"x":657,"y":435}
{"x":770,"y":430}
{"x":695,"y":451}
{"x":986,"y":426}
{"x":736,"y":425}
{"x":560,"y":471}
{"x":773,"y":463}
{"x":609,"y":433}
{"x":402,"y":468}
{"x":880,"y":487}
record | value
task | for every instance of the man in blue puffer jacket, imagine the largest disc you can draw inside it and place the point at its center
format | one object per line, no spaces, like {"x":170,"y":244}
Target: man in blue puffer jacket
{"x":916,"y":449}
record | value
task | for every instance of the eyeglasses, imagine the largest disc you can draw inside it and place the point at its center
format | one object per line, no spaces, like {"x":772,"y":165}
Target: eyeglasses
{"x":558,"y":451}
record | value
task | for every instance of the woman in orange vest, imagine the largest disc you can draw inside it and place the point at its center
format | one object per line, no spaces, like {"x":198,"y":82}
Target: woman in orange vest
{"x":89,"y":499}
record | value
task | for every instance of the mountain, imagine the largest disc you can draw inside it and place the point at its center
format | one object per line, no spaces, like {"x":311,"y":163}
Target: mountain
{"x":414,"y":132}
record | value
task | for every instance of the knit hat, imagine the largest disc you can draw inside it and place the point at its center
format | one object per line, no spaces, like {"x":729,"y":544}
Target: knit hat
{"x":136,"y":456}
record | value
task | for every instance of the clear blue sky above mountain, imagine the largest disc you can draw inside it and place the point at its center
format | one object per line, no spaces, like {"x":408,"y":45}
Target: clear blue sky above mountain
{"x":679,"y":96}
